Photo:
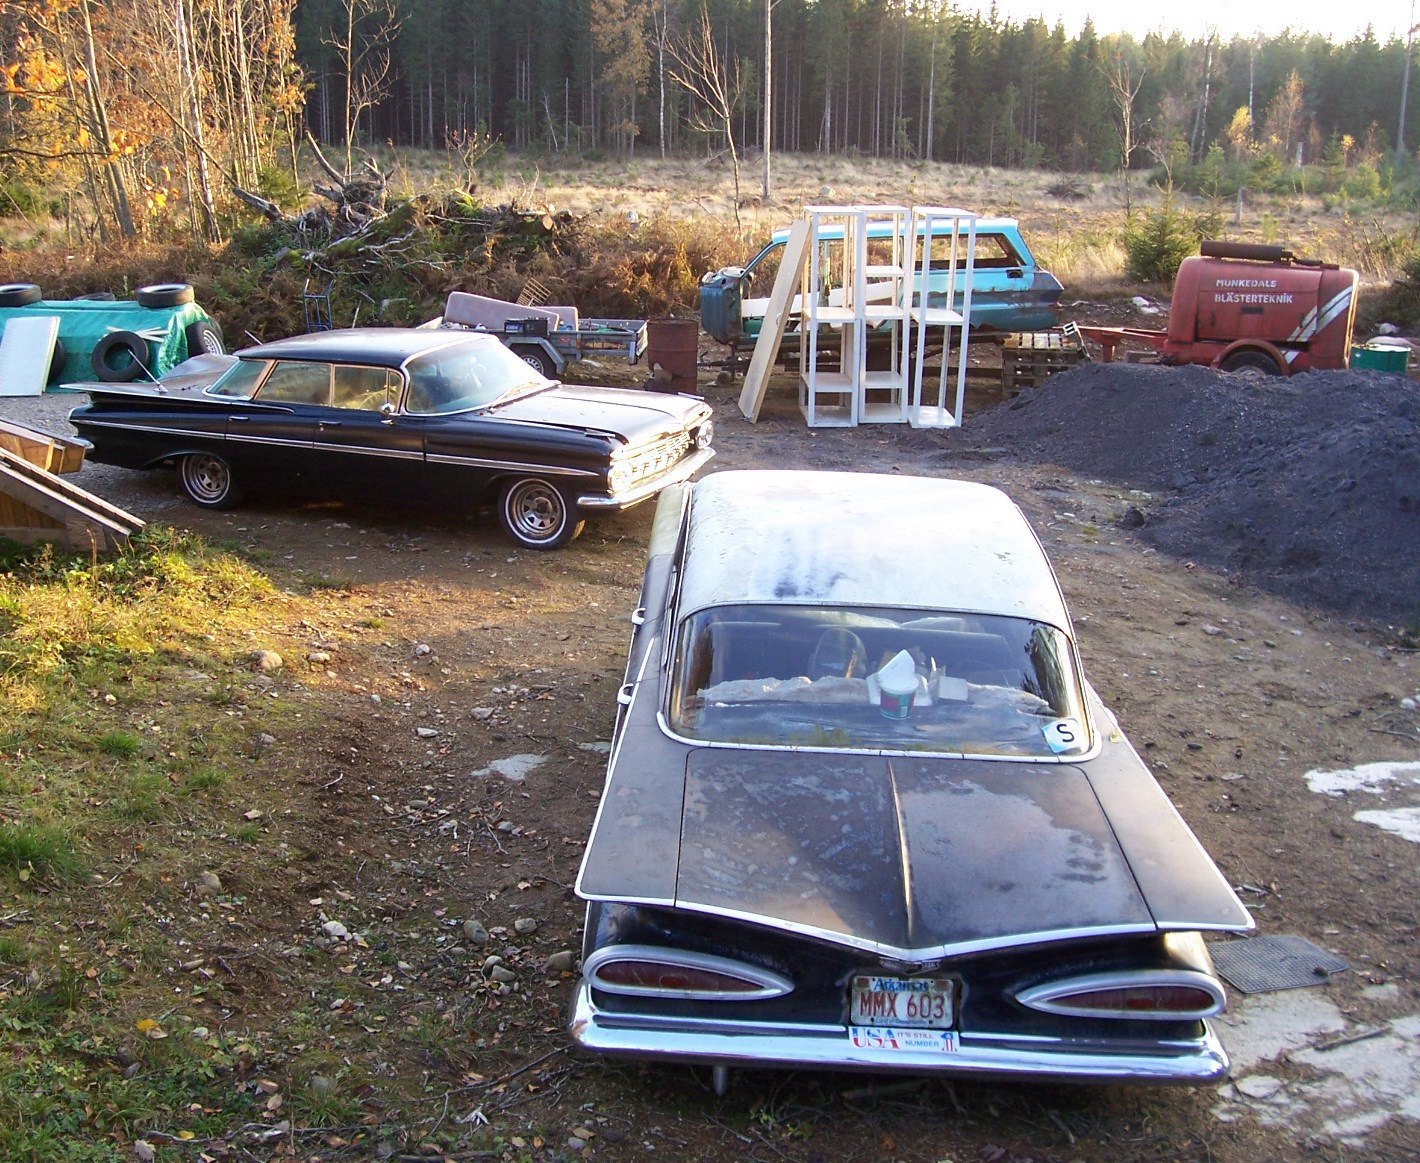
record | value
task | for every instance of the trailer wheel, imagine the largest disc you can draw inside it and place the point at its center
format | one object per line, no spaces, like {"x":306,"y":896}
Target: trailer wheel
{"x":535,"y":357}
{"x":1250,"y":362}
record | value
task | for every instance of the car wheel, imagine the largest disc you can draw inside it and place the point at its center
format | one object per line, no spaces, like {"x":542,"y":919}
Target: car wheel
{"x":120,"y":356}
{"x":164,"y":295}
{"x":204,"y":338}
{"x":1250,"y":362}
{"x":19,"y":294}
{"x":208,"y":481}
{"x":56,"y":361}
{"x":535,"y":357}
{"x":537,"y":514}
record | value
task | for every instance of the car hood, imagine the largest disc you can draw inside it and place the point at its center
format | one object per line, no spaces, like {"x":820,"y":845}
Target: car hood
{"x":637,"y":417}
{"x":905,"y":857}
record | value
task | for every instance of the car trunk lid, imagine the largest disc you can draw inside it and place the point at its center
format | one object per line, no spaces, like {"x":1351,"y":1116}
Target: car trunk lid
{"x":902,"y":856}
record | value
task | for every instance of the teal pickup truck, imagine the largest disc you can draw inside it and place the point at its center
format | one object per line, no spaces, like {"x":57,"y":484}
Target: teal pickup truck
{"x":99,"y":337}
{"x":1009,"y":292}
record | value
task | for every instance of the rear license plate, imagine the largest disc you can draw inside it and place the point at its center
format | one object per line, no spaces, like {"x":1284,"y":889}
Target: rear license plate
{"x":924,"y":1003}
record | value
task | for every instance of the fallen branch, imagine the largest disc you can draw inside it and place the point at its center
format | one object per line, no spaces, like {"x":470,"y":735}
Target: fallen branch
{"x":270,"y":209}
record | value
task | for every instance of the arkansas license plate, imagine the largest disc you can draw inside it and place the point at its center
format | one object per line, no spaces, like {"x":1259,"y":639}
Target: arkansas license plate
{"x":924,"y":1003}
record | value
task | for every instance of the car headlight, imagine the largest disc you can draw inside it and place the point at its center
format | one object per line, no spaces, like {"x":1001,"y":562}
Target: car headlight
{"x":619,"y":477}
{"x":705,"y":434}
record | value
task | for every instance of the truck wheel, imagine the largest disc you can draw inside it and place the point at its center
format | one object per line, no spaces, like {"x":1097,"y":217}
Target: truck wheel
{"x":535,"y":357}
{"x":19,"y":294}
{"x":537,"y":514}
{"x":1251,"y":363}
{"x":164,"y":295}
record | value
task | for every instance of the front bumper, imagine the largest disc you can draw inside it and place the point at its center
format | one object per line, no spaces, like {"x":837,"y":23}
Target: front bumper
{"x":680,"y":472}
{"x":813,"y":1047}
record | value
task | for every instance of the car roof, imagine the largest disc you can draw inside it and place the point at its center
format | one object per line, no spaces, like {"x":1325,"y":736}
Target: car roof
{"x":371,"y":346}
{"x":863,"y":539}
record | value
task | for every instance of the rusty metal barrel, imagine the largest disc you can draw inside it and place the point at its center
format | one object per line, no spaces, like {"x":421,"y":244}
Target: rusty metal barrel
{"x":672,"y":352}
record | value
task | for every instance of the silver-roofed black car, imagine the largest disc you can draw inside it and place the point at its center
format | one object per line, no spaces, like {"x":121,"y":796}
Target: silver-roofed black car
{"x":863,"y":810}
{"x":375,"y":412}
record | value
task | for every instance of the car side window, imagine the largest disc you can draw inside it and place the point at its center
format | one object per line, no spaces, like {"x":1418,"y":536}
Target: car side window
{"x":292,"y":382}
{"x":993,"y":252}
{"x":363,"y":388}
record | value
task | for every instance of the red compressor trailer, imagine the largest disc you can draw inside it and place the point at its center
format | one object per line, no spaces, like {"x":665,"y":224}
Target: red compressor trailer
{"x":1240,"y":306}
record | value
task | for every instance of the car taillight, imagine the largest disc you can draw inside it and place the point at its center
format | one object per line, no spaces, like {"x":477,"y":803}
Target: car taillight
{"x":1159,"y":995}
{"x":648,"y":971}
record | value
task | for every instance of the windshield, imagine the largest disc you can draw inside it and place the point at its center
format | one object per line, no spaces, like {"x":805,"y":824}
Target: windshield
{"x":872,"y":679}
{"x":467,"y":375}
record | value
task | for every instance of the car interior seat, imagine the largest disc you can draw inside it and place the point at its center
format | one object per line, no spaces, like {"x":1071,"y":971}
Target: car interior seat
{"x":839,"y":653}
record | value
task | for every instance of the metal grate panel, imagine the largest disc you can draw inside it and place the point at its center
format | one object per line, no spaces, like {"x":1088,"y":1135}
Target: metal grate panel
{"x":1262,"y":964}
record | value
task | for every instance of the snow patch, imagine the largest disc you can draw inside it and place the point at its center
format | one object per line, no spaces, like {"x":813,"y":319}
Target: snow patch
{"x":1352,"y":1088}
{"x":1369,"y":777}
{"x":515,"y":768}
{"x":1382,"y":780}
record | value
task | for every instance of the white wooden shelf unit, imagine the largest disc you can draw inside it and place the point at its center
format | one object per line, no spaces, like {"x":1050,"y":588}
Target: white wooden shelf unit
{"x":932,"y":230}
{"x":853,"y":284}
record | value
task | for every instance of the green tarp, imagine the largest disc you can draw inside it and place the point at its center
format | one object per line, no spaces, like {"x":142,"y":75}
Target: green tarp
{"x":83,"y":322}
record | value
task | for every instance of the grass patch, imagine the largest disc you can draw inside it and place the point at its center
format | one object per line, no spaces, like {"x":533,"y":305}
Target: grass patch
{"x":119,"y":744}
{"x":38,"y":848}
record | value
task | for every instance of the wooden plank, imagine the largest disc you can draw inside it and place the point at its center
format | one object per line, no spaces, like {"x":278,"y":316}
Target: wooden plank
{"x":119,"y":517}
{"x":776,"y":319}
{"x":41,"y":506}
{"x":43,"y":449}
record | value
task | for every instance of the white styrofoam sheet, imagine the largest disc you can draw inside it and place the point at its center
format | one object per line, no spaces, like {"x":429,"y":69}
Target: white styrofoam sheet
{"x":26,"y":349}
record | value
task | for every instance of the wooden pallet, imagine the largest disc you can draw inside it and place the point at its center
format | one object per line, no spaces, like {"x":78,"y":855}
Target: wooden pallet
{"x":1029,"y":357}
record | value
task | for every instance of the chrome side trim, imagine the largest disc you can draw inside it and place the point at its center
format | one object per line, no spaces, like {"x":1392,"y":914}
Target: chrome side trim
{"x":510,"y":465}
{"x":146,"y":428}
{"x":1043,"y":997}
{"x":769,"y":984}
{"x":682,"y":471}
{"x":793,"y":1047}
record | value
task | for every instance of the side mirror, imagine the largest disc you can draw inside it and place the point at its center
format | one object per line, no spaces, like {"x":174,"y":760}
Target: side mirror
{"x":387,"y":413}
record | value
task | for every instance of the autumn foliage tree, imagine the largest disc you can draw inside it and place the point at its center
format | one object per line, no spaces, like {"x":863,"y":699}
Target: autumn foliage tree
{"x":146,"y":112}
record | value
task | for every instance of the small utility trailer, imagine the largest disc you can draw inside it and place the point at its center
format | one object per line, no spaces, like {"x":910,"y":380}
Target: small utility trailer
{"x":547,"y":338}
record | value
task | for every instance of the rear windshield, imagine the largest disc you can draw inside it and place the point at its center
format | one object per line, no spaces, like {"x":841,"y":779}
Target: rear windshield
{"x":834,"y":677}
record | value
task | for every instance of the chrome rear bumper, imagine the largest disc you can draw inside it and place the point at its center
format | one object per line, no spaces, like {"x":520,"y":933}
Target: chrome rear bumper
{"x":801,"y":1047}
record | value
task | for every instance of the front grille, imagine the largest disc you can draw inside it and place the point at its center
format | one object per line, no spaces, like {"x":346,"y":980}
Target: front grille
{"x":642,"y":464}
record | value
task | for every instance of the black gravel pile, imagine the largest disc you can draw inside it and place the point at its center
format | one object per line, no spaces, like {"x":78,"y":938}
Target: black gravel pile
{"x":1308,"y":486}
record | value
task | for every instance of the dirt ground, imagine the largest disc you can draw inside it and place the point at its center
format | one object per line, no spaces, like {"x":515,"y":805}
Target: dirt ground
{"x":460,"y":707}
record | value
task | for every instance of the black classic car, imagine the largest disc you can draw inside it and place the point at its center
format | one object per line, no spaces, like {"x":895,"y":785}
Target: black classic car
{"x":863,"y":811}
{"x":371,"y":412}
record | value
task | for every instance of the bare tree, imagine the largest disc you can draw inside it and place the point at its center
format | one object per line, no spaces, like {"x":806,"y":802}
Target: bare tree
{"x":716,"y":89}
{"x":660,"y":11}
{"x":1124,"y":88}
{"x":362,"y":46}
{"x":1405,"y":86}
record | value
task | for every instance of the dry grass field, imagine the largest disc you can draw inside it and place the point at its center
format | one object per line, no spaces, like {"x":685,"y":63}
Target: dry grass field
{"x":1076,"y":237}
